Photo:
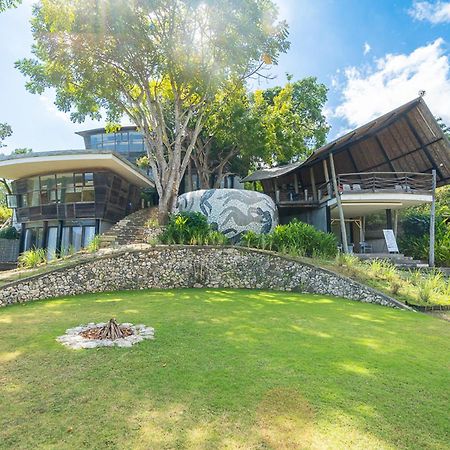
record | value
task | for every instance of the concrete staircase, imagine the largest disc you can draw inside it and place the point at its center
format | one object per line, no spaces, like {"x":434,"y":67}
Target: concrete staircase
{"x":131,"y":229}
{"x":398,"y":259}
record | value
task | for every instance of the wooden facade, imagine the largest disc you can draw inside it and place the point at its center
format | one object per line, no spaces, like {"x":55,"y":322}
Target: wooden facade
{"x":109,"y":198}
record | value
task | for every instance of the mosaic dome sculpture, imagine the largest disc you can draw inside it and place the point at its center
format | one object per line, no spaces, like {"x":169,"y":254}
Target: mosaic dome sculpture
{"x":232,"y":211}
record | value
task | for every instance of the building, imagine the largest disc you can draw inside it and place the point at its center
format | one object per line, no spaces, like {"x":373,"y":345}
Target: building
{"x":385,"y":165}
{"x":63,"y":199}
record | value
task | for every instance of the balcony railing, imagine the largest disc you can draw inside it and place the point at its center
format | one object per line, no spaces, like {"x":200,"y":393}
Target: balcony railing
{"x":354,"y":183}
{"x":400,"y":182}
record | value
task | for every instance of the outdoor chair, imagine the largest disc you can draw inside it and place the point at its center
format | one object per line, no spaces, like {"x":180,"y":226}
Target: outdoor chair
{"x":365,"y":247}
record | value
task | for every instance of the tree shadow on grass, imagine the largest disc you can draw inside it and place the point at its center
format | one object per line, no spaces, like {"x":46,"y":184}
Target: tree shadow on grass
{"x":333,"y":372}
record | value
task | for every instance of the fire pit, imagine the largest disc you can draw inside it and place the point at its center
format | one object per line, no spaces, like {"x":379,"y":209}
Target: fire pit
{"x":107,"y":334}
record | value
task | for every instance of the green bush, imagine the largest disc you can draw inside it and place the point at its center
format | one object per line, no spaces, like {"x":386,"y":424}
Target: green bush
{"x":94,"y":245}
{"x":296,"y":239}
{"x":9,"y":233}
{"x":5,"y":213}
{"x":416,"y":238}
{"x":32,"y":258}
{"x":190,"y":228}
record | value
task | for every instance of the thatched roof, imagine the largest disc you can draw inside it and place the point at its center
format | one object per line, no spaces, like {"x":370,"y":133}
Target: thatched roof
{"x":407,"y":139}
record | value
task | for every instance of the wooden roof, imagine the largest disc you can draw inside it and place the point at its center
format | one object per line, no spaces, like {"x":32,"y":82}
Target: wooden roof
{"x":407,"y":139}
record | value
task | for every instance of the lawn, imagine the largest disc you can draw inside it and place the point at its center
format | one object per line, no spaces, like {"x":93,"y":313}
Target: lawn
{"x":228,"y":369}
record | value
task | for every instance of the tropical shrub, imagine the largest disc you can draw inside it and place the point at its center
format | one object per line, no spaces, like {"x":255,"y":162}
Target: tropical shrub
{"x":296,"y":239}
{"x":5,"y":214}
{"x":190,"y":228}
{"x":9,"y":233}
{"x":94,"y":245}
{"x":416,"y":238}
{"x":32,"y":258}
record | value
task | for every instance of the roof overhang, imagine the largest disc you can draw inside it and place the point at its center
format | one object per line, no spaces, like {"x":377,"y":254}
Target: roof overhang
{"x":407,"y":139}
{"x":32,"y":164}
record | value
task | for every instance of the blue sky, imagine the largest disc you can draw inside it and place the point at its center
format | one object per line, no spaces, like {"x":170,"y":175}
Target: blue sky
{"x":373,"y":56}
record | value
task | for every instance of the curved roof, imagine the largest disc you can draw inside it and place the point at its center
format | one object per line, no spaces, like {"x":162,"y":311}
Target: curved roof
{"x":14,"y":167}
{"x":407,"y":139}
{"x":102,"y":130}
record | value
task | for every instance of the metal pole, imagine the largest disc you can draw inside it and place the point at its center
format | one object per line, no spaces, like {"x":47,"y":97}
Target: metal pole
{"x":339,"y":205}
{"x":432,"y":220}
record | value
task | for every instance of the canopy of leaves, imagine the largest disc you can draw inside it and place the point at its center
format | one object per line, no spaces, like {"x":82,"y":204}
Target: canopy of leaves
{"x":273,"y":126}
{"x":109,"y":54}
{"x":293,"y":119}
{"x":6,"y":4}
{"x":5,"y":132}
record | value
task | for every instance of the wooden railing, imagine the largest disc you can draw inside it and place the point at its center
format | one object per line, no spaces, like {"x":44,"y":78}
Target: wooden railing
{"x":401,"y":182}
{"x":353,"y":183}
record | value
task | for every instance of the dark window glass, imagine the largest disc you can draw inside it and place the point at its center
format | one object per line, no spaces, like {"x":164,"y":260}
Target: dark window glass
{"x":109,"y":141}
{"x":136,"y":142}
{"x":96,"y":141}
{"x":88,"y":235}
{"x":77,"y":233}
{"x":88,"y":179}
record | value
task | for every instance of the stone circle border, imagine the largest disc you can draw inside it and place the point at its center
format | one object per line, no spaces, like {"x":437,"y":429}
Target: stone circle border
{"x":73,"y":339}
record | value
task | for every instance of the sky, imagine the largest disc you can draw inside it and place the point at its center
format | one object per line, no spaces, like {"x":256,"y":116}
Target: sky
{"x":372,"y":55}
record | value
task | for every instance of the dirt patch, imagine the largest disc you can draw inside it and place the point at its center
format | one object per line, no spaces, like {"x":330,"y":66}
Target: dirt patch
{"x":285,"y":420}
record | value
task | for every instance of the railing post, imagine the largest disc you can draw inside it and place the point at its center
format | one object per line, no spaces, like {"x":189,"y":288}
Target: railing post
{"x":339,"y":205}
{"x":432,"y":220}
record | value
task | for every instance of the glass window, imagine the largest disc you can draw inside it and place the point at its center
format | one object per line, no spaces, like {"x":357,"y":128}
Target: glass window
{"x":136,"y":142}
{"x":33,"y":238}
{"x":109,"y":141}
{"x":33,"y":198}
{"x":89,"y":179}
{"x":65,"y":186}
{"x":65,"y":240}
{"x":89,"y":233}
{"x":88,"y":194}
{"x":96,"y":141}
{"x":12,"y":201}
{"x":52,"y":235}
{"x":77,"y":233}
{"x":28,"y":238}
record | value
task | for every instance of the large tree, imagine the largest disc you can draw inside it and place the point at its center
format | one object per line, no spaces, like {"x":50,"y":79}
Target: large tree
{"x":160,"y":62}
{"x":231,"y":137}
{"x":267,"y":127}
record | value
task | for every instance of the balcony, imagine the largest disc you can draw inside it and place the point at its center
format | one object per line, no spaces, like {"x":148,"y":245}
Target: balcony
{"x":398,"y":182}
{"x":366,"y":190}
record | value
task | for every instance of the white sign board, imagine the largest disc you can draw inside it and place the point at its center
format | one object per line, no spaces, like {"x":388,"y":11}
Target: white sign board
{"x":391,"y":242}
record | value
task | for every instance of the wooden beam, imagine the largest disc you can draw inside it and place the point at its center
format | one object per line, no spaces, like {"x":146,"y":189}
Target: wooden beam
{"x":395,"y":222}
{"x":432,"y":222}
{"x":296,"y":182}
{"x":423,"y":146}
{"x":383,"y":150}
{"x":339,"y":205}
{"x":327,"y":176}
{"x":313,"y":183}
{"x":349,"y":152}
{"x":369,"y":169}
{"x":277,"y":192}
{"x":387,"y":123}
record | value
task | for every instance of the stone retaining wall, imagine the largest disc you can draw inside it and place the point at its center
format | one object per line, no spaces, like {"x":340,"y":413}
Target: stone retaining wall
{"x":187,"y":266}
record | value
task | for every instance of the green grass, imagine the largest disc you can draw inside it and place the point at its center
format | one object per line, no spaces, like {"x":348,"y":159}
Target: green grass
{"x":228,"y":369}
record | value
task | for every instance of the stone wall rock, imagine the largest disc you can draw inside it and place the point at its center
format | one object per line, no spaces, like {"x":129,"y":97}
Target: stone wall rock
{"x":165,"y":267}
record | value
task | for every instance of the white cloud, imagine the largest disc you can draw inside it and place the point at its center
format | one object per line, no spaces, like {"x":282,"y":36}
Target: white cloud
{"x":367,"y":48}
{"x":394,"y":80}
{"x":438,"y":12}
